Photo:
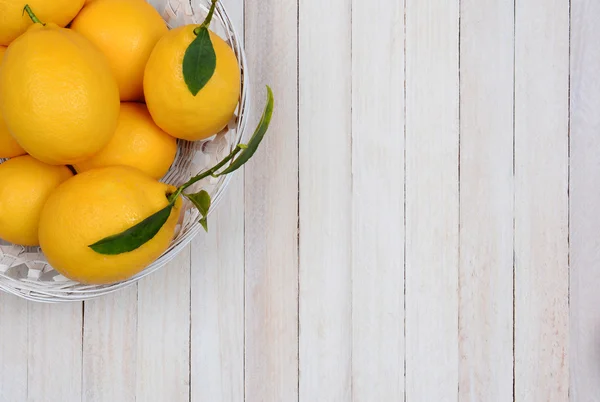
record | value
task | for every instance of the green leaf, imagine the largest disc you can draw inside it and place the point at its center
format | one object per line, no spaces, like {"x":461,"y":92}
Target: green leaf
{"x":256,"y":139}
{"x":199,"y":61}
{"x":204,"y":223}
{"x":202,"y":201}
{"x":247,"y":150}
{"x":134,"y":237}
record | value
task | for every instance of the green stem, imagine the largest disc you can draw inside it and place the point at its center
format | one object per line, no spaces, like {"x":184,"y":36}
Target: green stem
{"x":205,"y":174}
{"x":33,"y":17}
{"x":173,"y":197}
{"x":208,"y":18}
{"x":212,"y":170}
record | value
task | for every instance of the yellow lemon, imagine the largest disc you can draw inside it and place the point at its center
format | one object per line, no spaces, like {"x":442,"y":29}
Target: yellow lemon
{"x":8,"y":145}
{"x":172,"y":106}
{"x":25,"y":185}
{"x":57,"y":95}
{"x":13,"y":22}
{"x":126,"y":32}
{"x":97,"y":204}
{"x":138,"y":142}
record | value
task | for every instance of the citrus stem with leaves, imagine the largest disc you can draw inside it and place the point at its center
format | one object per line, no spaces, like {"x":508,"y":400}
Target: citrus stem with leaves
{"x":200,"y":60}
{"x":138,"y":235}
{"x":210,"y":172}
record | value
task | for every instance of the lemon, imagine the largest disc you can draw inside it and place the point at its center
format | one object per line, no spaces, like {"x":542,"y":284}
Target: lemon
{"x":97,"y":204}
{"x":170,"y":102}
{"x":126,"y":32}
{"x":8,"y":146}
{"x":13,"y":22}
{"x":138,"y":142}
{"x":25,"y":184}
{"x":57,"y":95}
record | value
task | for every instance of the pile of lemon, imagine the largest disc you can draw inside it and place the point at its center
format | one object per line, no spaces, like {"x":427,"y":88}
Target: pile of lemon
{"x":93,"y":97}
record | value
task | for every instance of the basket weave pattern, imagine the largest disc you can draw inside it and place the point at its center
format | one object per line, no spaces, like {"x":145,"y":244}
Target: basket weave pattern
{"x":25,"y":272}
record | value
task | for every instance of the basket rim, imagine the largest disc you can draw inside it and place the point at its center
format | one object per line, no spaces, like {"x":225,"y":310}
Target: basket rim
{"x":38,"y":291}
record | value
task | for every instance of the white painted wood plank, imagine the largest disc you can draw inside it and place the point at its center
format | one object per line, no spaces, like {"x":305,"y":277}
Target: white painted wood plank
{"x":584,"y":348}
{"x":486,"y":200}
{"x":432,"y":199}
{"x":110,"y":347}
{"x":54,"y":362}
{"x":217,"y":282}
{"x":271,"y":217}
{"x":163,"y":333}
{"x":325,"y":83}
{"x":13,"y":348}
{"x":218,"y":303}
{"x":378,"y":201}
{"x":541,"y":200}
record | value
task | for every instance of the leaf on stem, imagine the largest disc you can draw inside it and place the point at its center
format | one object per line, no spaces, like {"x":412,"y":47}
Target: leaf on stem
{"x":249,"y":150}
{"x":134,"y":237}
{"x":144,"y":231}
{"x":199,"y":62}
{"x":202,"y":202}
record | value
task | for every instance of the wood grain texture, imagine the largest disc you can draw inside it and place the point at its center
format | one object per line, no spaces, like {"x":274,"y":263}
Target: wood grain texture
{"x":54,"y":361}
{"x":271,"y":217}
{"x":432,"y":199}
{"x":217,"y":283}
{"x":325,"y":275}
{"x":584,"y":348}
{"x":218,"y":303}
{"x":110,"y":347}
{"x":541,"y":200}
{"x":13,"y":348}
{"x":378,"y":201}
{"x":325,"y":200}
{"x":486,"y":200}
{"x":163,"y":333}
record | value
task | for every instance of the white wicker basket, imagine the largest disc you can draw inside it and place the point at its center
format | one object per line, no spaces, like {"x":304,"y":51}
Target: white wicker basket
{"x":24,"y":270}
